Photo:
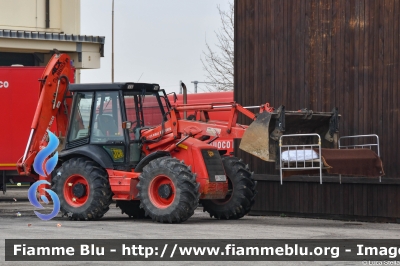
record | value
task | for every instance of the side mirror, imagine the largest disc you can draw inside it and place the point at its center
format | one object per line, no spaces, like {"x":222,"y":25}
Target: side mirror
{"x":127,"y":125}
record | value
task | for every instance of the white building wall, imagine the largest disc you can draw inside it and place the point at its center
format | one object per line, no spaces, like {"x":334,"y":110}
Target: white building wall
{"x":30,"y":15}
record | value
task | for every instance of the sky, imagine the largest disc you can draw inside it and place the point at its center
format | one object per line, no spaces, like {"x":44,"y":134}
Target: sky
{"x":154,"y":41}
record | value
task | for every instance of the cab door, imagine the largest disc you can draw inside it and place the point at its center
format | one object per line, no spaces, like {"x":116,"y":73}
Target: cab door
{"x":106,"y":129}
{"x":133,"y":115}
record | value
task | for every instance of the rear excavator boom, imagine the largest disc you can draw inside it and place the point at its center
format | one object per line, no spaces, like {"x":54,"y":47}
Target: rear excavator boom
{"x":53,"y":105}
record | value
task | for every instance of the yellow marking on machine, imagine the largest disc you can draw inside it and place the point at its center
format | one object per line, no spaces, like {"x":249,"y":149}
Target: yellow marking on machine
{"x":183,"y":146}
{"x":117,"y":153}
{"x":8,"y":164}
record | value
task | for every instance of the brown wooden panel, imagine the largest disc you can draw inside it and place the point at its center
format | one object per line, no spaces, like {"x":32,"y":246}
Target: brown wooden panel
{"x":392,"y":201}
{"x":359,"y":91}
{"x":375,"y":207}
{"x":396,"y":82}
{"x":365,"y":200}
{"x":308,"y":199}
{"x":302,"y":195}
{"x":386,"y":56}
{"x":341,"y":200}
{"x":340,"y":59}
{"x":319,"y":54}
{"x":327,"y":199}
{"x":370,"y":203}
{"x":359,"y":200}
{"x":375,"y":19}
{"x":397,"y":202}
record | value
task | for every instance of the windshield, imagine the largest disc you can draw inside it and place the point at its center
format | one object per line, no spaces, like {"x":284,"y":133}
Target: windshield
{"x":145,"y":109}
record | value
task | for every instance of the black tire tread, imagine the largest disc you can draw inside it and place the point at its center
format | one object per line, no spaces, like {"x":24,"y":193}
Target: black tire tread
{"x":131,"y":208}
{"x":243,"y":195}
{"x":185,"y":183}
{"x":100,"y":187}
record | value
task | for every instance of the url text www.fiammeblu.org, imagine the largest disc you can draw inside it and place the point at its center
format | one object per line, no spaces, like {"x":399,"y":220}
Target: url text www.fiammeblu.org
{"x":231,"y":250}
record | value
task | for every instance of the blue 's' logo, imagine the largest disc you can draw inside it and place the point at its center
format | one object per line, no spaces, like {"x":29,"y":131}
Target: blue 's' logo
{"x":50,"y":165}
{"x":32,"y":198}
{"x":44,"y":153}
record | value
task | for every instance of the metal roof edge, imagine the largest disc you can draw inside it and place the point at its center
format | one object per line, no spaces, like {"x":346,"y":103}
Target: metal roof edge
{"x":51,"y":36}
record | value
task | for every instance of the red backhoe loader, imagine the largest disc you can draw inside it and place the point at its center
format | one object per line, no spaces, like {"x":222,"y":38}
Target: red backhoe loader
{"x":126,"y":142}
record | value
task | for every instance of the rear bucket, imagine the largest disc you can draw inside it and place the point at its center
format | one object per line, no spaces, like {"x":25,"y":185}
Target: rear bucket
{"x":261,"y":138}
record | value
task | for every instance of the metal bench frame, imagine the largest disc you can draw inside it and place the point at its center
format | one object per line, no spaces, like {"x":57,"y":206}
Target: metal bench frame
{"x":300,"y":164}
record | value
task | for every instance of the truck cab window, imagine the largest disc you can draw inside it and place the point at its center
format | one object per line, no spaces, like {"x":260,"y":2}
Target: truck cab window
{"x":81,"y":117}
{"x":107,"y":123}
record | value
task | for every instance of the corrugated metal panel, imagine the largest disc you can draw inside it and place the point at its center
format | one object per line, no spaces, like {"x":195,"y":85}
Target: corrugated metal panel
{"x":50,"y":36}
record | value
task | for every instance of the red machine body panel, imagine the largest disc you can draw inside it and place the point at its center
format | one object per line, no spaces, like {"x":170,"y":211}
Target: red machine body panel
{"x":19,"y":91}
{"x":210,"y":97}
{"x":207,"y":97}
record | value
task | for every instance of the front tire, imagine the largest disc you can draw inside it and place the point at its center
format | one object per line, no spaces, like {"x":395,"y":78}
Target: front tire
{"x":168,"y":190}
{"x":241,"y":194}
{"x":83,"y":189}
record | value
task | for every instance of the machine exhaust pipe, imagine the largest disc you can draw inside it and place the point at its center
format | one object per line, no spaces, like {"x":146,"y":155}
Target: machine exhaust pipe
{"x":184,"y":98}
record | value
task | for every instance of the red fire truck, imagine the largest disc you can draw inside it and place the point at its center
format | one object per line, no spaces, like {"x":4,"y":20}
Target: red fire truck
{"x":19,"y":89}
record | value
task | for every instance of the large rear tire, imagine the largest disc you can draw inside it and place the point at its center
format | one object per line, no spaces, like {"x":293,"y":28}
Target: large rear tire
{"x":83,"y":189}
{"x":241,"y":193}
{"x":131,"y":208}
{"x":168,"y":190}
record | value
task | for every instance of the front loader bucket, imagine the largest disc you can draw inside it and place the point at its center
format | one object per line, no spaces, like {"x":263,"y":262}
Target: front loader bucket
{"x":255,"y":139}
{"x":261,"y":138}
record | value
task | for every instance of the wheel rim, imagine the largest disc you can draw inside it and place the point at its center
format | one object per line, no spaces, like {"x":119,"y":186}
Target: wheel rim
{"x":162,"y":191}
{"x":76,"y":190}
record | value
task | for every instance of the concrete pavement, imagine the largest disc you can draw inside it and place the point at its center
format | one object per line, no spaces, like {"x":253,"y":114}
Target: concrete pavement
{"x":114,"y":225}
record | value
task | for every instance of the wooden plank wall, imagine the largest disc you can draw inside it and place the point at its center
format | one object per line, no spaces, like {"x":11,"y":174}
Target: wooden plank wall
{"x":355,"y":201}
{"x":319,"y":54}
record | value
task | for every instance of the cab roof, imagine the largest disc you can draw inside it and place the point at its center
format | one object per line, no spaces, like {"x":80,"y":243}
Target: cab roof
{"x":129,"y":86}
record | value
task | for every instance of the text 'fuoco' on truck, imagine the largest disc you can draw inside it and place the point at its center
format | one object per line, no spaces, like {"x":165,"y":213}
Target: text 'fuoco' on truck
{"x":126,"y":142}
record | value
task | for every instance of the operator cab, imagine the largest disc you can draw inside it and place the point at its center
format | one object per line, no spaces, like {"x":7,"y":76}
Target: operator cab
{"x":112,"y":116}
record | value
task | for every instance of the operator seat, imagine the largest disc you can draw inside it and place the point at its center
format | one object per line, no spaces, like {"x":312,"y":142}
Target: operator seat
{"x":107,"y":125}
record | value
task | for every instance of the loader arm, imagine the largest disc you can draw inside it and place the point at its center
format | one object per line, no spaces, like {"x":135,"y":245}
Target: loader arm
{"x":260,"y":138}
{"x":175,"y":127}
{"x":53,"y":107}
